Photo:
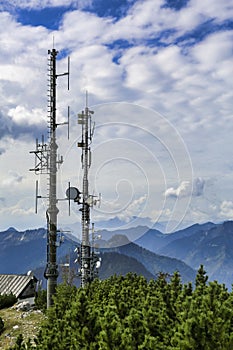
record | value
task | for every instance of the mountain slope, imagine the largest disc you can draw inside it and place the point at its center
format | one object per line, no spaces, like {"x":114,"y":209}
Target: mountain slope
{"x":154,"y":240}
{"x":153,"y":262}
{"x":23,"y":251}
{"x":212,"y":247}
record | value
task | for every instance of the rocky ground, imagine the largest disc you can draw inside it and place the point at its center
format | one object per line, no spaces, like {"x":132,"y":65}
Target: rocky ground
{"x":19,"y":320}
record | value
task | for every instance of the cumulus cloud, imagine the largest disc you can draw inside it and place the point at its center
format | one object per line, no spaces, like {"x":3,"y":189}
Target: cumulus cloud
{"x":22,"y":116}
{"x":133,"y":209}
{"x":41,"y":4}
{"x":226,"y":209}
{"x":124,"y":211}
{"x":186,"y":188}
{"x":182,"y":190}
{"x":13,"y":179}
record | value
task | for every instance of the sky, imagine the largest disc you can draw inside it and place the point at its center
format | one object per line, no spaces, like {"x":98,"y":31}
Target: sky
{"x":159,"y":79}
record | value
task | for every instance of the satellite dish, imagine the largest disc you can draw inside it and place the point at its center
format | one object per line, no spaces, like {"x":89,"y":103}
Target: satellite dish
{"x":72,"y":193}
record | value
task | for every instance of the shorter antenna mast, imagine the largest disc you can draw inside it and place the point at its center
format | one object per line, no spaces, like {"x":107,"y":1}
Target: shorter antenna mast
{"x":89,"y":261}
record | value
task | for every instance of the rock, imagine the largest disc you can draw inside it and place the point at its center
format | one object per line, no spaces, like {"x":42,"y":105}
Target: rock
{"x":24,"y":306}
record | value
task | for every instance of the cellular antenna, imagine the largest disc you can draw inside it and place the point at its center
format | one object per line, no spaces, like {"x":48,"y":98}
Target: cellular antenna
{"x":47,"y":162}
{"x":87,"y":257}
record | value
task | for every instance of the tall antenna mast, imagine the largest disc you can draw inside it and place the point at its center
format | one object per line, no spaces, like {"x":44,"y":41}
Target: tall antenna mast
{"x":48,"y":162}
{"x":51,"y":272}
{"x":87,"y":257}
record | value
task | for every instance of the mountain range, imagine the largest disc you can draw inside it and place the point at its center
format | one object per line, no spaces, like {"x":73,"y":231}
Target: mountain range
{"x":151,"y":253}
{"x":24,"y":251}
{"x":208,"y":244}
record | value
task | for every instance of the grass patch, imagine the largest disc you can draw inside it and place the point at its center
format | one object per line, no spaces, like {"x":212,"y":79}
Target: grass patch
{"x":16,"y":322}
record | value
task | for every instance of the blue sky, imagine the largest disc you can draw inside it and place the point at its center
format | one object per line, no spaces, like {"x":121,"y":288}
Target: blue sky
{"x":159,"y":76}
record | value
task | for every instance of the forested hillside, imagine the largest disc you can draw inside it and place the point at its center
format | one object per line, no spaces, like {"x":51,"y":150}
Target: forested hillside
{"x":131,"y":313}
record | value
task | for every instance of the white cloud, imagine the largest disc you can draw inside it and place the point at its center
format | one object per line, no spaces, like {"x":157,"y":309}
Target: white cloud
{"x":21,"y":116}
{"x":13,"y":179}
{"x":186,"y":188}
{"x":213,"y":9}
{"x":182,"y":190}
{"x":72,"y":31}
{"x":133,"y":209}
{"x":214,"y":50}
{"x":41,"y":4}
{"x":226,"y":209}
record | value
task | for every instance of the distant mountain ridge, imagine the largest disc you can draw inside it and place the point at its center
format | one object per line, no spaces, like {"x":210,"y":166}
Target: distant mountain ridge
{"x":154,"y":263}
{"x":23,"y":251}
{"x":152,"y":252}
{"x":208,"y":244}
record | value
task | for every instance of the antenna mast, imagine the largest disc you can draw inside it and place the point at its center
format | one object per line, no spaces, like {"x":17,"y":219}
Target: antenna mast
{"x":86,"y":163}
{"x":84,"y":119}
{"x":51,"y":271}
{"x":87,"y":256}
{"x":46,"y":162}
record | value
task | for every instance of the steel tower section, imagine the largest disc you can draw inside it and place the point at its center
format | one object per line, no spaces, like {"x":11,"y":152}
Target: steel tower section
{"x":51,"y":272}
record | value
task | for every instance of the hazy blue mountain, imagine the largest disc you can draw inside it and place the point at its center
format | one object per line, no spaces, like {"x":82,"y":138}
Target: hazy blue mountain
{"x":154,"y":263}
{"x":23,"y":251}
{"x":211,"y":246}
{"x":112,"y":263}
{"x":154,"y":240}
{"x":153,"y":252}
{"x":119,"y":264}
{"x":118,"y":224}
